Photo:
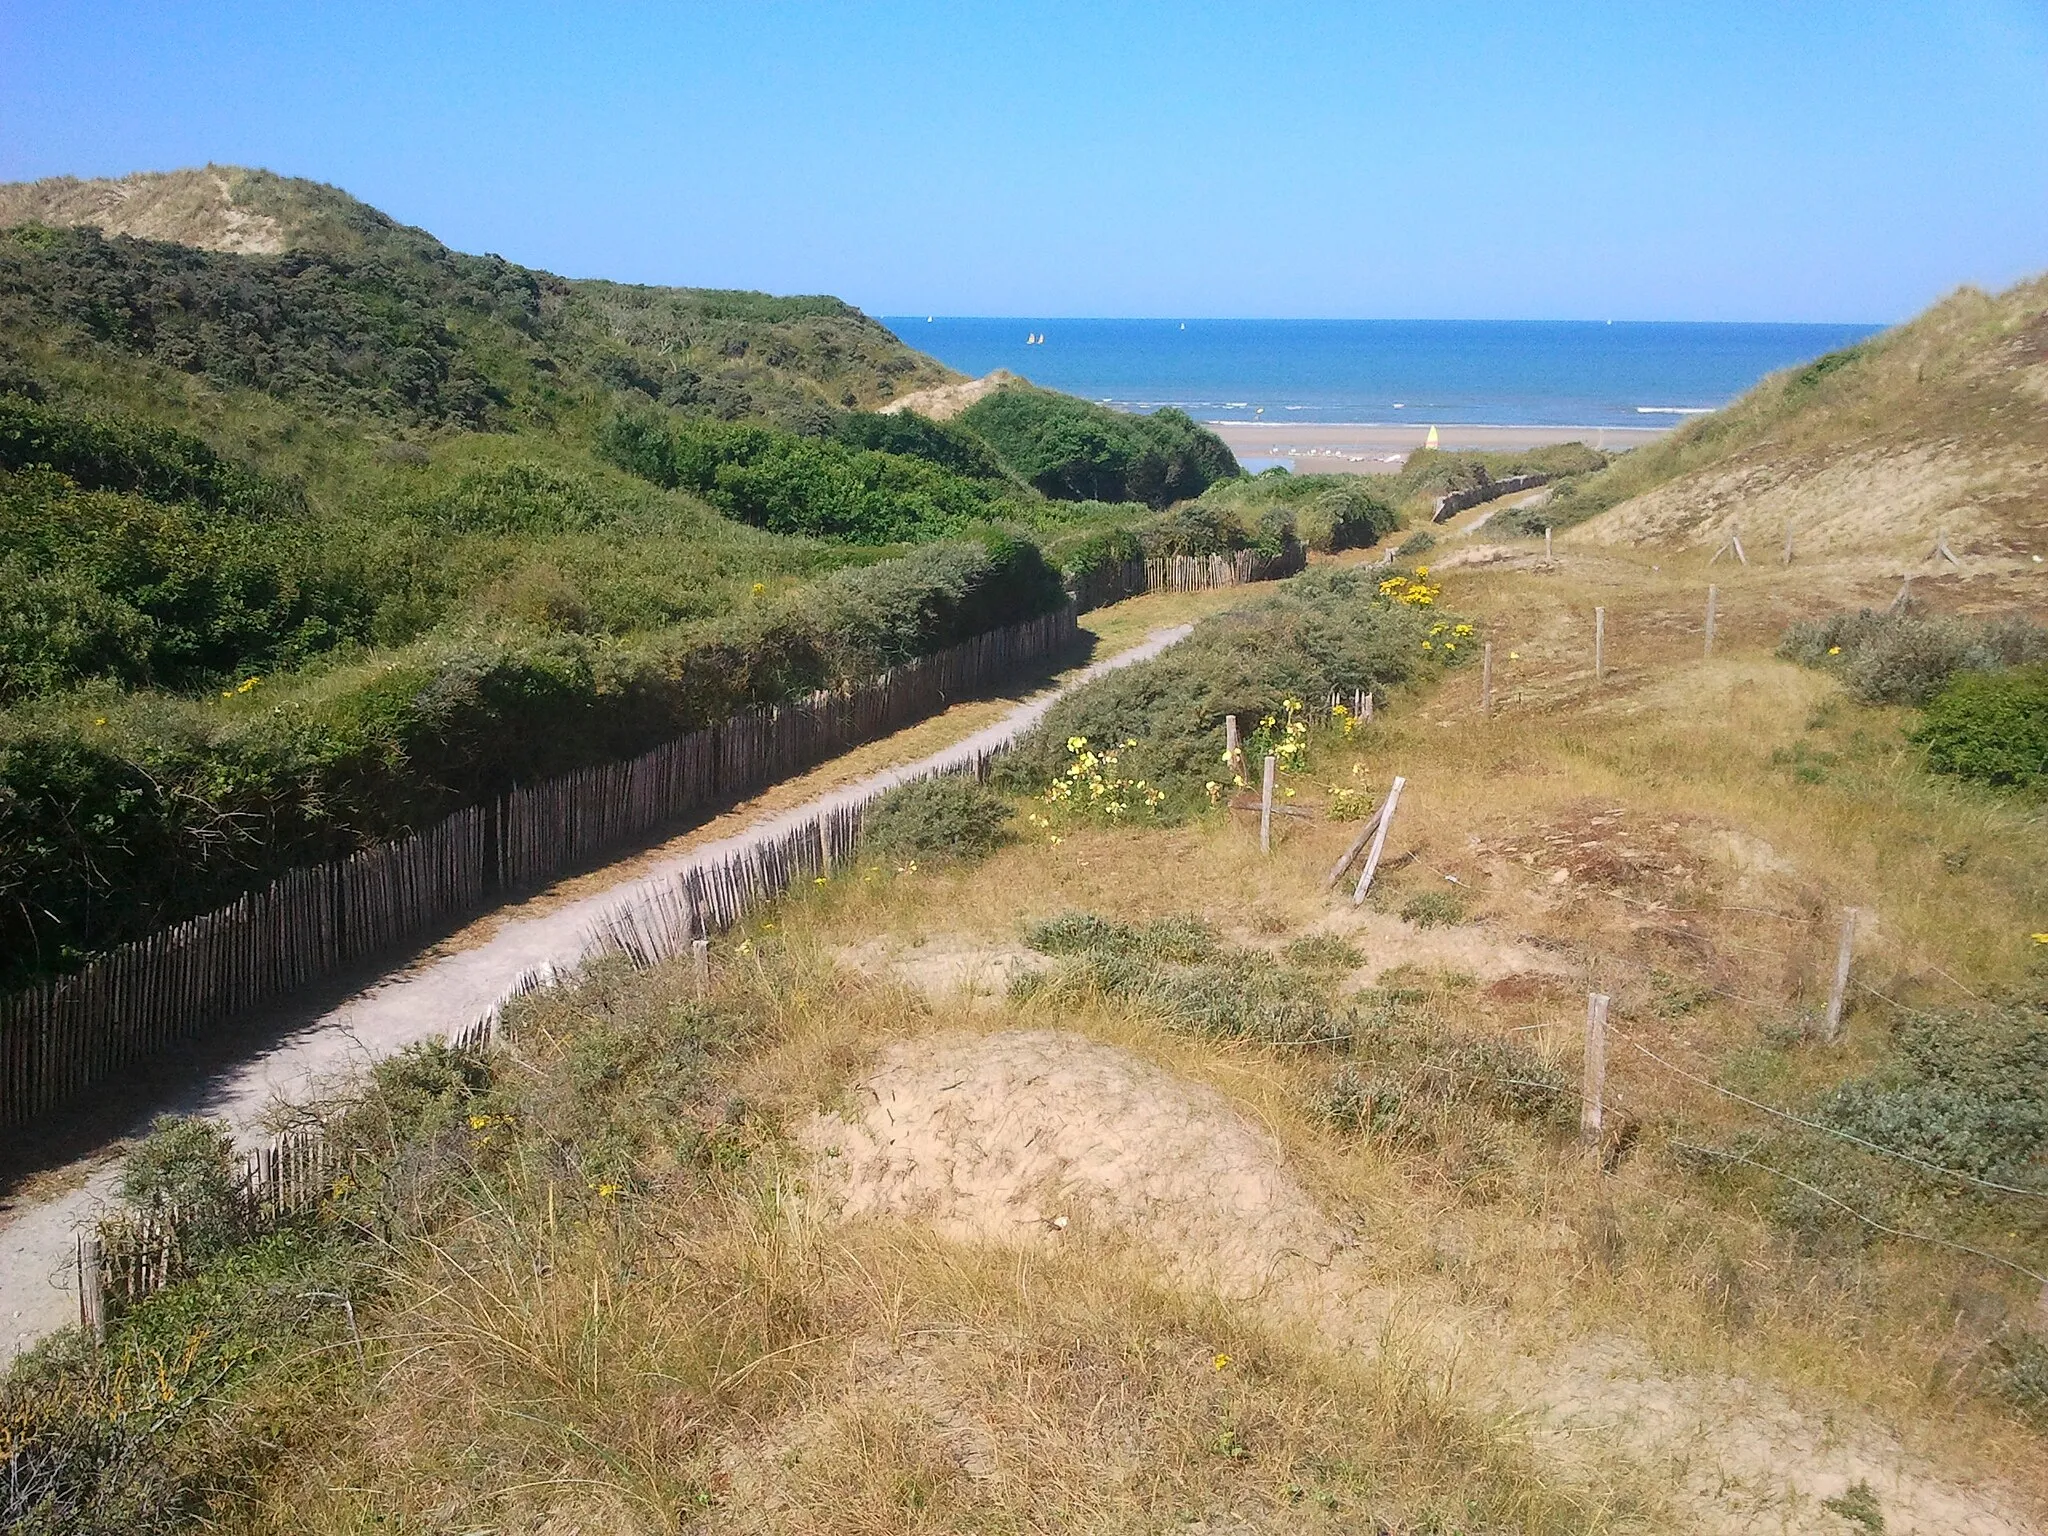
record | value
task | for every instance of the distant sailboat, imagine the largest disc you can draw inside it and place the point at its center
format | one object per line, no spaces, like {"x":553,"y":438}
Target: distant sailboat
{"x":1430,"y":441}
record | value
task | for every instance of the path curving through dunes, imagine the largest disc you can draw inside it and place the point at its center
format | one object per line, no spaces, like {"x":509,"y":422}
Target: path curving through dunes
{"x":435,"y":998}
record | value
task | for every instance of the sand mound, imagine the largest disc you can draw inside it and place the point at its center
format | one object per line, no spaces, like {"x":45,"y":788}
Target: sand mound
{"x":1033,"y":1134}
{"x":944,"y":401}
{"x":195,"y":207}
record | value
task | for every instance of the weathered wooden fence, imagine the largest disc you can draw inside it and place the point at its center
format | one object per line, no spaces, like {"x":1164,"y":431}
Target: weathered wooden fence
{"x":1183,"y":573}
{"x":61,"y":1039}
{"x":129,"y":1254}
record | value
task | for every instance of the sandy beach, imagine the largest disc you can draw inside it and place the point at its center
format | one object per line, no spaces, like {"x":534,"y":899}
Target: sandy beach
{"x":1356,"y":448}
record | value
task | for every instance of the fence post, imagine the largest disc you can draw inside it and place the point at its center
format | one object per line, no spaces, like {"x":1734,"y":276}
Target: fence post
{"x":1593,"y":1079}
{"x":1233,"y":754}
{"x":1599,"y":644}
{"x":1546,"y":544}
{"x":1788,"y":541}
{"x":1379,"y":842}
{"x":700,"y":966}
{"x":1266,"y":804}
{"x":1713,"y":600}
{"x":1357,"y":843}
{"x":1365,"y":714}
{"x":92,"y":1299}
{"x":1838,"y":995}
{"x":1486,"y":679}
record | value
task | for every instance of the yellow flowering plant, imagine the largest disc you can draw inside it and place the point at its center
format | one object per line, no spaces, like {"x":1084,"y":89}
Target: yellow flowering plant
{"x":1094,"y":787}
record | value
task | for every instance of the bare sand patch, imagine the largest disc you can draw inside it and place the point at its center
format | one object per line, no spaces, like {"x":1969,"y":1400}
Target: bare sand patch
{"x":946,"y":968}
{"x":1026,"y":1137}
{"x":1027,"y":1134}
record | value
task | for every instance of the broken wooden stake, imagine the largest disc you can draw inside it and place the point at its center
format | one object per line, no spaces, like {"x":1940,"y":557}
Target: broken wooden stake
{"x":1266,"y":805}
{"x":1379,"y":842}
{"x":1735,"y":539}
{"x":1546,"y":543}
{"x":1366,"y":713}
{"x":1788,"y":543}
{"x":92,"y":1299}
{"x":1593,"y":1078}
{"x":1838,"y":995}
{"x":1233,"y":754}
{"x":1486,"y":679}
{"x":700,"y":966}
{"x":1713,"y":600}
{"x":1357,"y":843}
{"x":1599,"y":644}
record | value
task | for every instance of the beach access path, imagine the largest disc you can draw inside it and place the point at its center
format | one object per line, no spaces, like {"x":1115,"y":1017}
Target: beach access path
{"x":430,"y":998}
{"x":1376,"y":448}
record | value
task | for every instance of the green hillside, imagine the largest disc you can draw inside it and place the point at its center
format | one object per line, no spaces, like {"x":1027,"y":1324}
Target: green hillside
{"x":313,"y":529}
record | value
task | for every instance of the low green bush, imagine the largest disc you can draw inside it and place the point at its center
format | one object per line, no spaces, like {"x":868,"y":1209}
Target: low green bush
{"x":800,"y":485}
{"x":945,"y":818}
{"x":1990,"y":726}
{"x":1324,"y":512}
{"x":1330,"y":629}
{"x":1178,"y":970}
{"x":1073,"y":450}
{"x":1421,"y":542}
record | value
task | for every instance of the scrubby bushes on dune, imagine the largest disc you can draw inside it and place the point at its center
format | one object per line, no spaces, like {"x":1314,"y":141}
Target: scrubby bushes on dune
{"x":1904,"y":658}
{"x":1072,"y":450}
{"x":156,"y":808}
{"x":1323,"y":630}
{"x":1324,"y":512}
{"x":1992,"y":727}
{"x":791,"y":484}
{"x":948,"y":817}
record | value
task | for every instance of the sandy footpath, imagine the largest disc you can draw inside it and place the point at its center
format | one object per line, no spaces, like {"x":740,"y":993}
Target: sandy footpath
{"x":424,"y":1001}
{"x":1373,"y":448}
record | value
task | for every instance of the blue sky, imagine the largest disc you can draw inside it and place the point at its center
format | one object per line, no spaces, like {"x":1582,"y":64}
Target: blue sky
{"x":1812,"y":161}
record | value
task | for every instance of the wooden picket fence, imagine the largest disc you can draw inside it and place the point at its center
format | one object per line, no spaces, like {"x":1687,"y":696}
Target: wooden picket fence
{"x":1183,"y":573}
{"x":129,"y":1254}
{"x":63,"y":1038}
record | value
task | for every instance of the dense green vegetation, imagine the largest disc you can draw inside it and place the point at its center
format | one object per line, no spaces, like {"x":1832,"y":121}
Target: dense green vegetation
{"x":158,"y":807}
{"x":1073,"y":450}
{"x":1330,"y":628}
{"x":1992,"y":727}
{"x":300,"y":551}
{"x":1907,"y":657}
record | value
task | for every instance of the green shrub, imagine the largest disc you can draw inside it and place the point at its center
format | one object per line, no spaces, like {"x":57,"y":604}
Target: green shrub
{"x":2019,"y":1374}
{"x":1433,"y":908}
{"x":1072,"y":450}
{"x":1319,"y":631}
{"x":188,"y":1165}
{"x":1177,"y":970}
{"x":1324,"y":512}
{"x":110,"y":830}
{"x":791,"y":484}
{"x":1992,"y":727}
{"x":948,"y":817}
{"x":945,"y":443}
{"x":1420,"y":542}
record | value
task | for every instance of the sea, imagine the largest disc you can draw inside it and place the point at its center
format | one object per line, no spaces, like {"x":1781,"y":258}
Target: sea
{"x":1539,"y":373}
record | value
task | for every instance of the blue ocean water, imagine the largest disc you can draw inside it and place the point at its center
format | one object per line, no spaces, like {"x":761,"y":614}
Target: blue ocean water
{"x":1497,"y":372}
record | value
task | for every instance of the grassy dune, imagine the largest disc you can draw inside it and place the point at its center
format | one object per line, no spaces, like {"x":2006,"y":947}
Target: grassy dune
{"x":611,"y":1287}
{"x":1934,"y":425}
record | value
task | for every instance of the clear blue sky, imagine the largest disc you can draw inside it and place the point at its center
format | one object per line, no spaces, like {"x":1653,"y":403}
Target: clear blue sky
{"x":1646,"y":160}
